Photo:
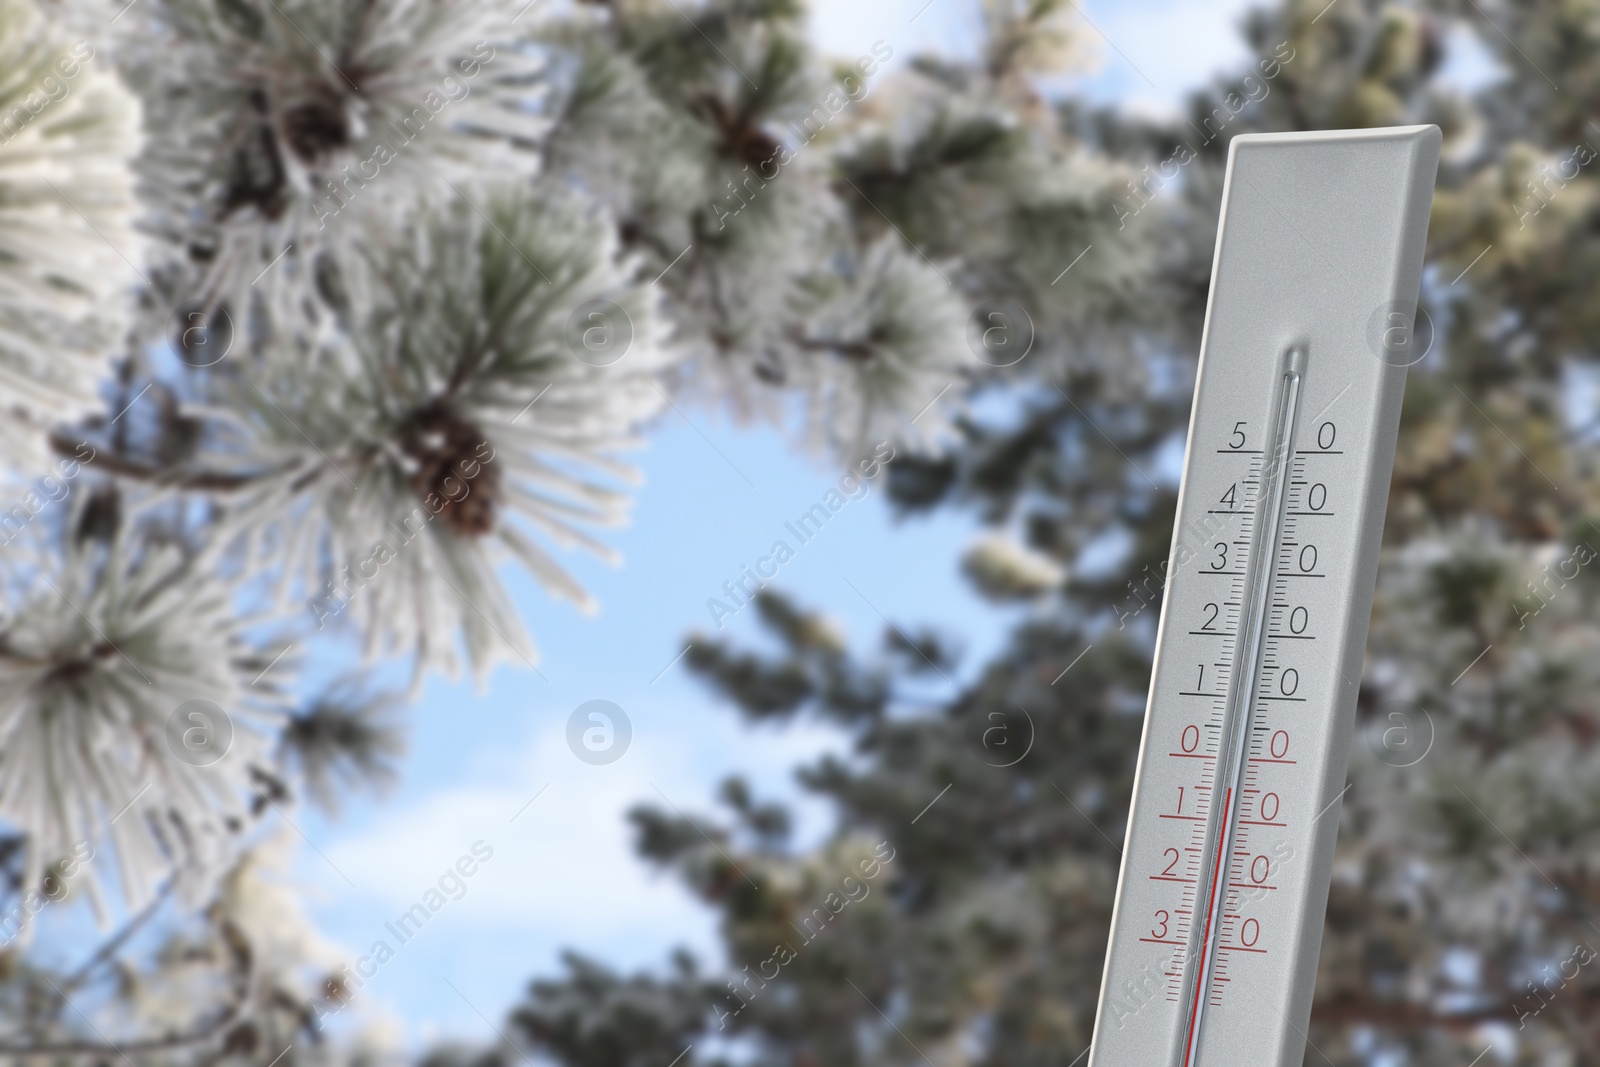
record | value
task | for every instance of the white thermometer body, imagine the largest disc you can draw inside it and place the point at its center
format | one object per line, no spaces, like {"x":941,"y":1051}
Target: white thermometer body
{"x":1225,"y":874}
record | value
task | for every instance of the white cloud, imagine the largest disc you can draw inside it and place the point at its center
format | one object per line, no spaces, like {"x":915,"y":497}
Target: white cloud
{"x":565,"y":864}
{"x":565,"y":868}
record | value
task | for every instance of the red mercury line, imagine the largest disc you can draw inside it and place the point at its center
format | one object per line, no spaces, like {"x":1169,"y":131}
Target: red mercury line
{"x":1205,"y":940}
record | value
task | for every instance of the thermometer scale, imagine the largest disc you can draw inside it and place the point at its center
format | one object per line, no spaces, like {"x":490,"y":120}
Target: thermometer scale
{"x":1218,"y":921}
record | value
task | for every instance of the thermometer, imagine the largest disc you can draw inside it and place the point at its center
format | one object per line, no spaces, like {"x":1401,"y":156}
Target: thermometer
{"x":1218,"y":921}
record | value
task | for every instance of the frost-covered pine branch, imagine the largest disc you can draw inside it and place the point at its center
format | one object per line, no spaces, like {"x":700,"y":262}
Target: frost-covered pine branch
{"x":497,"y":359}
{"x":117,"y":662}
{"x":68,"y":254}
{"x":290,"y":132}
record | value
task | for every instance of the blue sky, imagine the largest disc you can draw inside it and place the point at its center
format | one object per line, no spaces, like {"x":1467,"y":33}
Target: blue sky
{"x":563,"y":874}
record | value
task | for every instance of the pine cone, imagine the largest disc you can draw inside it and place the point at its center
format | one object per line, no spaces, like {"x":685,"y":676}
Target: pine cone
{"x":316,"y":127}
{"x":451,"y":468}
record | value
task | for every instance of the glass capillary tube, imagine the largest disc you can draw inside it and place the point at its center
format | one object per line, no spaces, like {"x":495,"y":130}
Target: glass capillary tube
{"x":1242,"y":690}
